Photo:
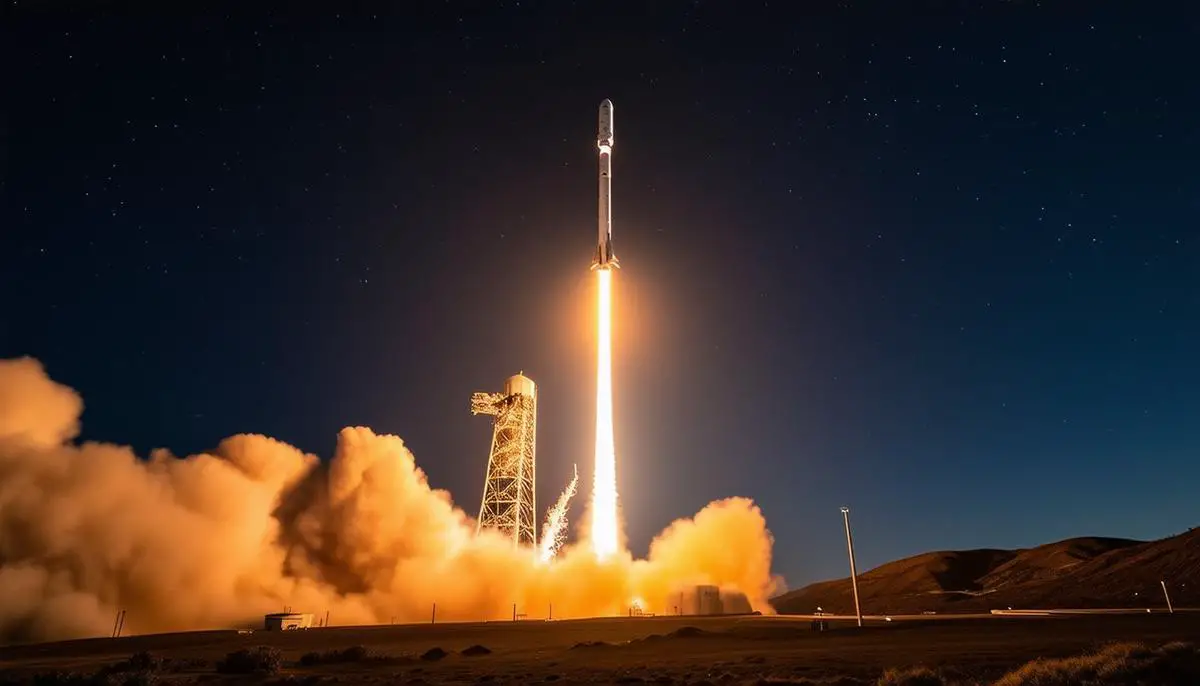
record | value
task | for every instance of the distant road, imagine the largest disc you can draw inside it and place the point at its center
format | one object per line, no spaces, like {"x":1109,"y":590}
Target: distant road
{"x":877,"y":618}
{"x":1063,"y":612}
{"x":1098,"y":611}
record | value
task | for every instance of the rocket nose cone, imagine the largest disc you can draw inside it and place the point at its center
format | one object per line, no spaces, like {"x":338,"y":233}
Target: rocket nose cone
{"x":606,"y":104}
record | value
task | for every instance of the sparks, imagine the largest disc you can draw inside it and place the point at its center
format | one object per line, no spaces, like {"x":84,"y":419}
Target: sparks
{"x":554,"y":532}
{"x":604,"y":485}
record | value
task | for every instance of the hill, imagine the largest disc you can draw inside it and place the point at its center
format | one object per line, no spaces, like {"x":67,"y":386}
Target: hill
{"x":1077,"y":573}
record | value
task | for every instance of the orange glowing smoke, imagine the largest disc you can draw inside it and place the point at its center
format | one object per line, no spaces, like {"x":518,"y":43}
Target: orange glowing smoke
{"x":218,"y":539}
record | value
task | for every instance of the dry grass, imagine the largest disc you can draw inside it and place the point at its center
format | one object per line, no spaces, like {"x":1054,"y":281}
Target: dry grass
{"x":1116,"y":664}
{"x":329,"y":657}
{"x":256,"y":660}
{"x":916,"y":676}
{"x":805,"y":681}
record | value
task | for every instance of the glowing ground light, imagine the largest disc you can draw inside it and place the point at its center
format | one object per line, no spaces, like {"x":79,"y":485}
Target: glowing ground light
{"x":604,"y":485}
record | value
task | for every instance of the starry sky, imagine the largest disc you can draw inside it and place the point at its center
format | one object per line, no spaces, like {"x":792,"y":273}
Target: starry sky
{"x":938,"y":264}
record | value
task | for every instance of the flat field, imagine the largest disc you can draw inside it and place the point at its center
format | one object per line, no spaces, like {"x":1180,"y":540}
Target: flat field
{"x":688,"y":650}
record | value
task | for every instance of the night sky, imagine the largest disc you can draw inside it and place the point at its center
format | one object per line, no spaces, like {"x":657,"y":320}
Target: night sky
{"x":939,"y":264}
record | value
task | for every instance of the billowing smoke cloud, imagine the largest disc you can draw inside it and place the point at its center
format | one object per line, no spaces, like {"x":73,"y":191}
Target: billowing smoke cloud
{"x":219,"y":539}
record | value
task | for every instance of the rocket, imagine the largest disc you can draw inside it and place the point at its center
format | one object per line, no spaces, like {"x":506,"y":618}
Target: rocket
{"x":605,"y":257}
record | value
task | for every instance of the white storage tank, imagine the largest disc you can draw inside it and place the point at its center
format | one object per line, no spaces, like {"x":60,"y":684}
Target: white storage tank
{"x":519,"y":384}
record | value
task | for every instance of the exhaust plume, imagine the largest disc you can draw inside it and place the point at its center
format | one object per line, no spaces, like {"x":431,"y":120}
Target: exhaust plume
{"x":554,"y":532}
{"x":605,"y":525}
{"x":218,"y":539}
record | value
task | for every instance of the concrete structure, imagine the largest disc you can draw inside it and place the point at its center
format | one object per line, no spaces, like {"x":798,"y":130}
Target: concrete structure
{"x":734,"y":602}
{"x":509,"y":504}
{"x":287,"y":621}
{"x":708,"y":601}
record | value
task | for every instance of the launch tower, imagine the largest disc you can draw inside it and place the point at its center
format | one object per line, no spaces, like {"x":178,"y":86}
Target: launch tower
{"x":508,"y":488}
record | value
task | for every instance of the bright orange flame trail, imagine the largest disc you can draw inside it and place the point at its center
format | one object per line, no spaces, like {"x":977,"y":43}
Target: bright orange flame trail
{"x":604,"y":484}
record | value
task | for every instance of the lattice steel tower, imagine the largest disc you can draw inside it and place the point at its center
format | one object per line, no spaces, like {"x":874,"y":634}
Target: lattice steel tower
{"x":508,"y":488}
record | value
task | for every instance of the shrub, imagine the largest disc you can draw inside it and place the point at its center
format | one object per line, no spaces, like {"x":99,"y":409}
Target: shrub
{"x":257,"y":660}
{"x":433,"y":654}
{"x":914,"y":676}
{"x":143,"y":661}
{"x":351,"y":654}
{"x":60,"y":679}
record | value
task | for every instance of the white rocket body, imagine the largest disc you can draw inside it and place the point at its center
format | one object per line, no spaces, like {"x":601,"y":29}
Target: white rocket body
{"x":605,"y":257}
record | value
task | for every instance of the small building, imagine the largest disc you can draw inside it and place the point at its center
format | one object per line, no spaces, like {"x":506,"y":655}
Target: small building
{"x":287,"y":621}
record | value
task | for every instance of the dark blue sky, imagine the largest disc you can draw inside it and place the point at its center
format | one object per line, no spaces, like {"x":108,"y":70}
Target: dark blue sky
{"x":940,"y":265}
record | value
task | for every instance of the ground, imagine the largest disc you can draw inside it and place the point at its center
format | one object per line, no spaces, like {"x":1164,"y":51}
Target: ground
{"x":690,"y":650}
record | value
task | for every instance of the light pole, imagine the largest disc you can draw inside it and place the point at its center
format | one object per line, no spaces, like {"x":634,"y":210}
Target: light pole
{"x":853,"y":570}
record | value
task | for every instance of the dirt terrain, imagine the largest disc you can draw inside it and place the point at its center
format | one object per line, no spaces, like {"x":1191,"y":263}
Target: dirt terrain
{"x":687,"y":650}
{"x":1076,"y":573}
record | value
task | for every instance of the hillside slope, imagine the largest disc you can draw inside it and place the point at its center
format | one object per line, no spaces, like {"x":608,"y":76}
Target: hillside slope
{"x":1078,"y":572}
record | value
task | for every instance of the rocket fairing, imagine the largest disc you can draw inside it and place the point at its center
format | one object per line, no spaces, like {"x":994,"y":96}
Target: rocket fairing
{"x":605,"y":257}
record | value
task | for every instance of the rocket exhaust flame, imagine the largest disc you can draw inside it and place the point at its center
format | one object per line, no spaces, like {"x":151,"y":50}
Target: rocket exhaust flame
{"x":554,"y":531}
{"x":604,"y":485}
